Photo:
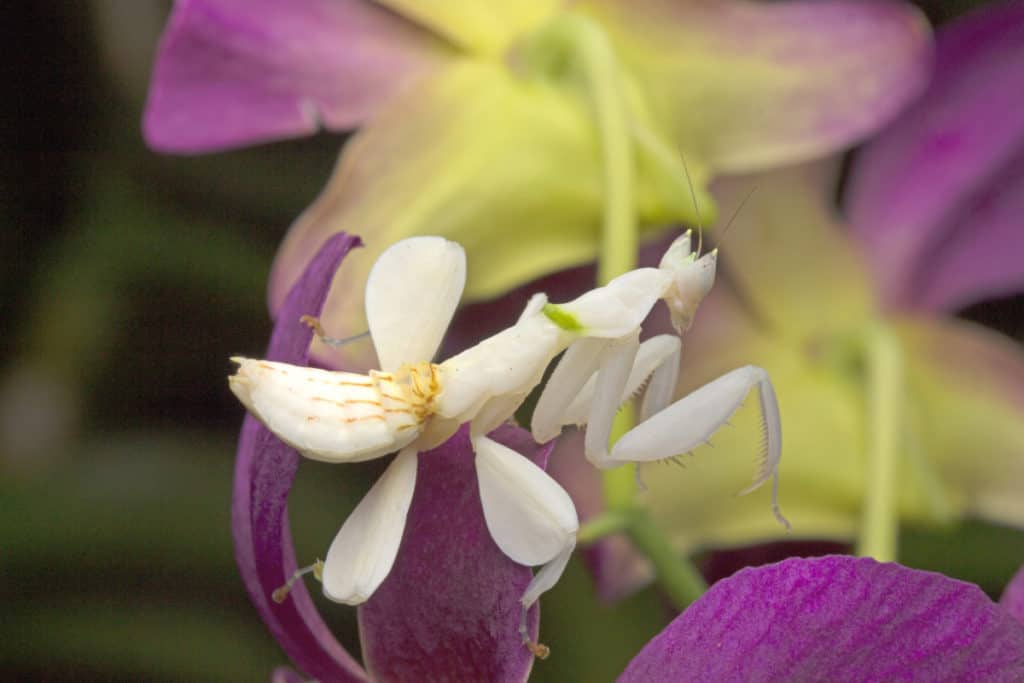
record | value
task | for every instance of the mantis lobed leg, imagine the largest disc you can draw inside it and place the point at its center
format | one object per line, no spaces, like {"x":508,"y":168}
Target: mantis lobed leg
{"x":692,"y":420}
{"x":529,"y":515}
{"x":568,"y":397}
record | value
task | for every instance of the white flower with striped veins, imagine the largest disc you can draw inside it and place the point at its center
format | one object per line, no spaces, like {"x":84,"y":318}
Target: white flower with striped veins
{"x":415,"y":405}
{"x":411,"y":296}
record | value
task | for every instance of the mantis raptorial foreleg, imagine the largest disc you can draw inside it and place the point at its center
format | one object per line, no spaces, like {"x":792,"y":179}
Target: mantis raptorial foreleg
{"x":597,"y":376}
{"x":569,"y":394}
{"x":692,"y":420}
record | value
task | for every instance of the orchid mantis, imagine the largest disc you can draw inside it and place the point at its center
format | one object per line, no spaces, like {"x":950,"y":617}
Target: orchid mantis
{"x":596,"y":376}
{"x":412,"y":404}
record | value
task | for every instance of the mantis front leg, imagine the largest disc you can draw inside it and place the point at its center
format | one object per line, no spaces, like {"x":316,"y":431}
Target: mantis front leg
{"x":692,"y":420}
{"x":596,"y":376}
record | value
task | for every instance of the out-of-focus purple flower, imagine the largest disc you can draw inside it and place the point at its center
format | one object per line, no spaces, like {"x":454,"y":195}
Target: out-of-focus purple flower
{"x":499,"y":125}
{"x":938,"y":198}
{"x":425,"y":621}
{"x":839,"y":619}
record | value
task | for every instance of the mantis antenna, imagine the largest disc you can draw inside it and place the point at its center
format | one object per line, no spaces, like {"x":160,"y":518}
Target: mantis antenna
{"x":693,"y":196}
{"x":735,"y":213}
{"x":696,"y":208}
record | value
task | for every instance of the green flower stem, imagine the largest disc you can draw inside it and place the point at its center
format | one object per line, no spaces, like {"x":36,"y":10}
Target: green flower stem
{"x":605,"y":524}
{"x":593,"y":57}
{"x":596,"y":62}
{"x":677,"y":575}
{"x":880,"y":521}
{"x":619,"y":483}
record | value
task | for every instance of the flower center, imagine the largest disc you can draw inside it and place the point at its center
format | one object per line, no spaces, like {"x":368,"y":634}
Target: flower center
{"x":421,"y":383}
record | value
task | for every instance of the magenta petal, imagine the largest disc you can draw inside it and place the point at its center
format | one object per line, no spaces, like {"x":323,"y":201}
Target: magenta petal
{"x":1013,"y":596}
{"x":938,"y":196}
{"x":836,"y":619}
{"x":233,"y":72}
{"x":449,"y":609}
{"x":263,"y":477}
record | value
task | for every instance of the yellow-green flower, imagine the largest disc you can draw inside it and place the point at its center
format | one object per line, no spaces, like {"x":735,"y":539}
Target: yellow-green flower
{"x":527,"y":131}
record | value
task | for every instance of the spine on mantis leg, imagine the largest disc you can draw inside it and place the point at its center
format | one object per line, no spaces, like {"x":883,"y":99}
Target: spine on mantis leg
{"x":771,"y":443}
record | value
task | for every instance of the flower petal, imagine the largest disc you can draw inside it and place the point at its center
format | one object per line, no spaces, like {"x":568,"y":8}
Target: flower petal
{"x":450,"y":609}
{"x":507,"y":168}
{"x":968,"y":385}
{"x":528,"y":513}
{"x":235,"y":72}
{"x":838,"y":619}
{"x":1013,"y":597}
{"x":411,"y":296}
{"x":325,"y":415}
{"x":697,"y":503}
{"x":788,"y":255}
{"x":744,"y":85}
{"x":938,"y":196}
{"x":484,"y":27}
{"x":363,"y":552}
{"x":263,"y":477}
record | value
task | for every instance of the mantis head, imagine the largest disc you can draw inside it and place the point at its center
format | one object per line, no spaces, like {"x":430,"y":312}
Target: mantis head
{"x":692,"y":278}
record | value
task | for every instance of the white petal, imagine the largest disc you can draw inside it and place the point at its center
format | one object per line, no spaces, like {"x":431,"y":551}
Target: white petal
{"x":578,"y":365}
{"x":529,"y":515}
{"x":508,"y":363}
{"x":411,"y":296}
{"x":363,"y":552}
{"x":325,"y":415}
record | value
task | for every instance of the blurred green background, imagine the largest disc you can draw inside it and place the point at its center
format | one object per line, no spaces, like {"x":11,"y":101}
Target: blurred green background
{"x":128,"y":279}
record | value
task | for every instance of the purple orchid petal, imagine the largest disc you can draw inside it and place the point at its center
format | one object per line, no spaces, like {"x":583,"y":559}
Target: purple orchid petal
{"x":263,"y":477}
{"x":937,"y":197}
{"x":235,"y":72}
{"x":838,"y":619}
{"x":449,"y":609}
{"x":1013,"y":596}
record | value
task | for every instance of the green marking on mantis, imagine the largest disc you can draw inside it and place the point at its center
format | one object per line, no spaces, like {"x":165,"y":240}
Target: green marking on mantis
{"x":561,"y":317}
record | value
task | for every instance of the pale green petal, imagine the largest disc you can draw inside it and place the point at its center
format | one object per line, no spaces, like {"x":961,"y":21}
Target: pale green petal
{"x":510,"y":169}
{"x":968,"y":400}
{"x":748,"y":85}
{"x":477,"y":26}
{"x":961,"y":444}
{"x":821,"y":470}
{"x":787,"y":253}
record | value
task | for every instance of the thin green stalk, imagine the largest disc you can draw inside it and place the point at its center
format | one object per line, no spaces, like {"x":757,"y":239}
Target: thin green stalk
{"x":592,"y":54}
{"x":596,"y":62}
{"x":880,"y":520}
{"x":603,"y":525}
{"x":678,"y":576}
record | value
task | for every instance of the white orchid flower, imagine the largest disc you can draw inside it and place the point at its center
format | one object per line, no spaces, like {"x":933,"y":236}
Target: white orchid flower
{"x":411,"y":295}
